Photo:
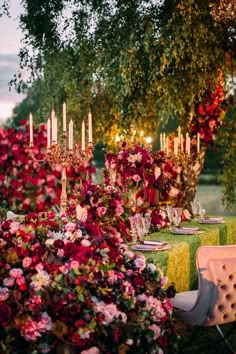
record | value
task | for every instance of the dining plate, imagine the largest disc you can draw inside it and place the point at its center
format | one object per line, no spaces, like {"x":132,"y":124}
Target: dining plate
{"x":155,"y":242}
{"x":150,"y":248}
{"x":185,"y":231}
{"x":212,"y":221}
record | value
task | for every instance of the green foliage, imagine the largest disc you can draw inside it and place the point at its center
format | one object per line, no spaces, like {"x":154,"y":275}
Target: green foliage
{"x":135,"y":64}
{"x":228,"y":139}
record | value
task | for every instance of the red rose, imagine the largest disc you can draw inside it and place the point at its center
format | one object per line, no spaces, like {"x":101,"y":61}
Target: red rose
{"x":79,"y":323}
{"x":5,"y":314}
{"x":23,"y":287}
{"x":138,"y":281}
{"x":69,"y":249}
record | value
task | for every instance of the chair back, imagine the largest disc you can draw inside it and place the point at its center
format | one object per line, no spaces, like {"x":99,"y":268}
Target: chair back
{"x":216,"y":266}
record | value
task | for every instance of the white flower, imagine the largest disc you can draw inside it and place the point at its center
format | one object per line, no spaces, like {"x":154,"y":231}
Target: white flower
{"x":151,"y":267}
{"x":86,"y":243}
{"x":42,"y":278}
{"x":81,"y":213}
{"x":135,"y":158}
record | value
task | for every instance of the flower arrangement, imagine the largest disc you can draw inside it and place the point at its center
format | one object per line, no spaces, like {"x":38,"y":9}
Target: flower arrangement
{"x":75,"y":281}
{"x":28,"y":185}
{"x":138,"y":169}
{"x":209,"y":114}
{"x":105,"y":205}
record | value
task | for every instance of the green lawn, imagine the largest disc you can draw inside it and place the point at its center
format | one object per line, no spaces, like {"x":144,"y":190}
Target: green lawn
{"x":211,"y":197}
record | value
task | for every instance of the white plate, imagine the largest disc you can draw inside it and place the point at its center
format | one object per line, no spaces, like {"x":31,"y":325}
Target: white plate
{"x":190,"y":228}
{"x":154,"y":243}
{"x":150,"y":248}
{"x":183,"y":231}
{"x":212,"y":221}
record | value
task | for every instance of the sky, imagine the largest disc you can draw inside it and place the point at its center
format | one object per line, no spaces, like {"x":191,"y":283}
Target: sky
{"x":10,"y":43}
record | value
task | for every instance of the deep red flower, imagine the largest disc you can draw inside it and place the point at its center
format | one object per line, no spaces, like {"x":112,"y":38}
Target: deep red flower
{"x":5,"y":314}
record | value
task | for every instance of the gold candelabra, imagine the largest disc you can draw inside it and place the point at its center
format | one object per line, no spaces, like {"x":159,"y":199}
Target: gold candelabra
{"x":65,"y":154}
{"x":61,"y":155}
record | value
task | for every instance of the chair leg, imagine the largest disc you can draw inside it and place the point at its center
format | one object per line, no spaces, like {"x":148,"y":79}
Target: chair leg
{"x":224,"y":339}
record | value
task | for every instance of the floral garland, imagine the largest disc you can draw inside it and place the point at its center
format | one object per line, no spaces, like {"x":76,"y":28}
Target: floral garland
{"x":209,"y":114}
{"x":75,"y":281}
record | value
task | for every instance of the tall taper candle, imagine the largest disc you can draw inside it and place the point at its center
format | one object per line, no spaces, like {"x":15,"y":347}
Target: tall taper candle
{"x":55,"y":122}
{"x":31,"y":127}
{"x":53,"y":125}
{"x":176,"y":143}
{"x":181,"y":143}
{"x":90,"y":128}
{"x":48,"y":133}
{"x":167,"y":145}
{"x":161,"y":143}
{"x":71,"y":135}
{"x":69,"y":140}
{"x":179,"y":133}
{"x":64,"y":116}
{"x":164,"y":142}
{"x":198,"y":142}
{"x":187,"y":144}
{"x":83,"y":136}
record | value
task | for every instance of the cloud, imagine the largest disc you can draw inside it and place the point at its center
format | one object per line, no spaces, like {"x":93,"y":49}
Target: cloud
{"x":9,"y":65}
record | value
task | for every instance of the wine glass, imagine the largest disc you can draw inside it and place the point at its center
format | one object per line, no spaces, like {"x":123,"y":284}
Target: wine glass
{"x":133,"y":231}
{"x":202,"y":211}
{"x":195,"y":208}
{"x":170,"y":213}
{"x":147,"y":222}
{"x":177,"y":217}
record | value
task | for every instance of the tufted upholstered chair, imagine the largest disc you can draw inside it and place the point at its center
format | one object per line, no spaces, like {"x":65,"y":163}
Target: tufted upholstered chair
{"x":214,"y":303}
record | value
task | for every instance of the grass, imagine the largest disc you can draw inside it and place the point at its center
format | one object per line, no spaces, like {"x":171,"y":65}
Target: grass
{"x":210,"y":197}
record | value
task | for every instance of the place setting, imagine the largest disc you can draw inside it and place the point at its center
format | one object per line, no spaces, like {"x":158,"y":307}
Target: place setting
{"x":174,"y":215}
{"x":199,"y":212}
{"x":140,"y":226}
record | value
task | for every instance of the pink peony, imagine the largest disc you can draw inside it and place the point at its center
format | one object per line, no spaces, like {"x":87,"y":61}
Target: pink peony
{"x":4,"y":294}
{"x":156,"y":329}
{"x":140,"y":262}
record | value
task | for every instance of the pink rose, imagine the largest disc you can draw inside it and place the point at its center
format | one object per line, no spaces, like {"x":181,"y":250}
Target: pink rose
{"x":157,"y":331}
{"x":70,"y":226}
{"x":136,"y":178}
{"x":16,"y":272}
{"x":101,"y":211}
{"x":27,"y":262}
{"x":119,"y":210}
{"x":14,"y":227}
{"x":4,"y":294}
{"x":140,"y":262}
{"x":31,"y":330}
{"x":45,"y":323}
{"x":8,"y":282}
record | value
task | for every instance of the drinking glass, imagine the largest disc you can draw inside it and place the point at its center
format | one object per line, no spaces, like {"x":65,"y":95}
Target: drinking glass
{"x":202,"y":211}
{"x":177,"y":217}
{"x":170,"y":213}
{"x":195,"y":208}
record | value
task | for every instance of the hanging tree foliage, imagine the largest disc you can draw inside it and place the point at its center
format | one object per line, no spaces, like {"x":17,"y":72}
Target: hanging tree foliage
{"x":134,"y":63}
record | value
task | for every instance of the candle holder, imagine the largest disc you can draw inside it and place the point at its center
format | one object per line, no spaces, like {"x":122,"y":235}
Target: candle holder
{"x":60,"y":155}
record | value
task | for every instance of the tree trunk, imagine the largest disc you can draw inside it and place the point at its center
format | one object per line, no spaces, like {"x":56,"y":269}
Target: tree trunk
{"x":190,"y":175}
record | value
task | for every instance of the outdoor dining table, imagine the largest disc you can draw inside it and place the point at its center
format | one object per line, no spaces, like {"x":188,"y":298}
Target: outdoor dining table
{"x":179,"y":262}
